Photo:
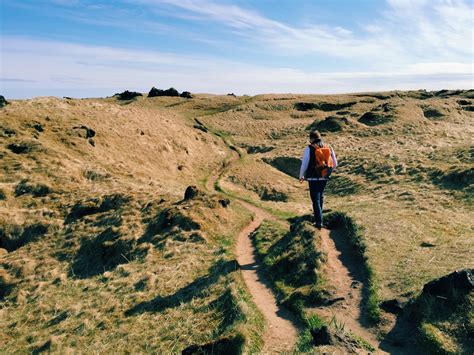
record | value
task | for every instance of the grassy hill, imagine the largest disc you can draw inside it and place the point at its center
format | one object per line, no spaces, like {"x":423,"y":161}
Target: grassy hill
{"x":100,"y":250}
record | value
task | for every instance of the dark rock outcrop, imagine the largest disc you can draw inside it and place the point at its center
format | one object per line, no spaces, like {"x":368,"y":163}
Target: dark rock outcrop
{"x":154,"y":92}
{"x":459,"y":280}
{"x":22,"y":147}
{"x":394,"y":306}
{"x":224,"y":202}
{"x":3,"y":102}
{"x":128,"y":95}
{"x":186,"y":95}
{"x":191,"y":192}
{"x":38,"y":127}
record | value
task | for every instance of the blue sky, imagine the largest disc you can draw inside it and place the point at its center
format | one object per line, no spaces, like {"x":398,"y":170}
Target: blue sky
{"x":88,"y":48}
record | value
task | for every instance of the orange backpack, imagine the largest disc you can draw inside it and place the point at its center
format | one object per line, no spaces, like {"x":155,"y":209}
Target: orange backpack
{"x":323,"y":161}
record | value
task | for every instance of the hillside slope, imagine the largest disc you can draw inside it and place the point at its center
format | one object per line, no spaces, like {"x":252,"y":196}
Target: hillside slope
{"x":99,"y":250}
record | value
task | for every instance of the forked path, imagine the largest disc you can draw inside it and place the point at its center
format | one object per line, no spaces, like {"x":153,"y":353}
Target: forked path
{"x":342,"y":270}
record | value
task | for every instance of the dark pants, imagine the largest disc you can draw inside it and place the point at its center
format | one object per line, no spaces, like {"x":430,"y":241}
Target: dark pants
{"x":316,"y":191}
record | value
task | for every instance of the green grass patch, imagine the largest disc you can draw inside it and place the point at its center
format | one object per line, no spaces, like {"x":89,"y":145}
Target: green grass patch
{"x":290,"y":260}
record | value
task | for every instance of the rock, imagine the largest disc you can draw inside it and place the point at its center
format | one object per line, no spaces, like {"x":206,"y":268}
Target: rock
{"x":322,"y":336}
{"x":128,"y":95}
{"x":464,"y":102}
{"x":21,"y":147}
{"x":38,"y":127}
{"x":186,"y":95}
{"x":394,"y":306}
{"x":91,"y":142}
{"x":224,"y":202}
{"x":460,"y":280}
{"x":84,"y":132}
{"x":154,"y":92}
{"x":3,"y":102}
{"x":427,"y":245}
{"x":191,"y":192}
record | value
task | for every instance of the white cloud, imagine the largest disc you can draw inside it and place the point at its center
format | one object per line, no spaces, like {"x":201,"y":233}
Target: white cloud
{"x":407,"y":31}
{"x":58,"y":68}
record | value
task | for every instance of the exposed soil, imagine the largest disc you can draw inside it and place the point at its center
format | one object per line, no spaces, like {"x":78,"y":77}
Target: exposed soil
{"x":344,"y":277}
{"x":281,"y":332}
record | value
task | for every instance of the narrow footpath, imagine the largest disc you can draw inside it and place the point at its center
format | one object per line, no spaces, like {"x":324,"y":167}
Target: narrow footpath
{"x":281,"y":332}
{"x":342,"y":271}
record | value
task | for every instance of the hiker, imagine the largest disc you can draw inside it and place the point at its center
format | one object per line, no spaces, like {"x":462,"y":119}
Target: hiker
{"x":319,"y":160}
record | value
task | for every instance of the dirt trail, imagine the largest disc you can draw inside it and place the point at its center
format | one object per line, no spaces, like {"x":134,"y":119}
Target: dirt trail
{"x":281,"y":333}
{"x":342,"y":270}
{"x":344,"y":276}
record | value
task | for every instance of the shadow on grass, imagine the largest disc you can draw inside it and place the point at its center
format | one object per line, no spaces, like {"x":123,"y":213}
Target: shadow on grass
{"x":197,"y":288}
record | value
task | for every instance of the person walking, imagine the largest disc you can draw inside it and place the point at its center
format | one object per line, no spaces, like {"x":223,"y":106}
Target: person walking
{"x":319,"y":161}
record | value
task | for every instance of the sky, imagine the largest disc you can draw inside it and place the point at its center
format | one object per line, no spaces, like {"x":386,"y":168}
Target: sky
{"x":83,"y":48}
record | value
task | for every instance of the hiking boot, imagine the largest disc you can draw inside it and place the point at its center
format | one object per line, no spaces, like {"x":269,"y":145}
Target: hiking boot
{"x":319,"y":226}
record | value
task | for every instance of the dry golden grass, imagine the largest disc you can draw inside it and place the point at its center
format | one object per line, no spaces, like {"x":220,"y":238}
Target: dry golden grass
{"x":407,"y":182}
{"x":120,"y":263}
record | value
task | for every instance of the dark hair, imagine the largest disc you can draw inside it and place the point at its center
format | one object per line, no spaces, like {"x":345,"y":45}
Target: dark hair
{"x":315,"y":137}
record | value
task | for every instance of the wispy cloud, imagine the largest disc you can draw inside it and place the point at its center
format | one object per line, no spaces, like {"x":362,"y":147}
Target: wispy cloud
{"x":407,"y":29}
{"x":410,"y":44}
{"x":105,"y":70}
